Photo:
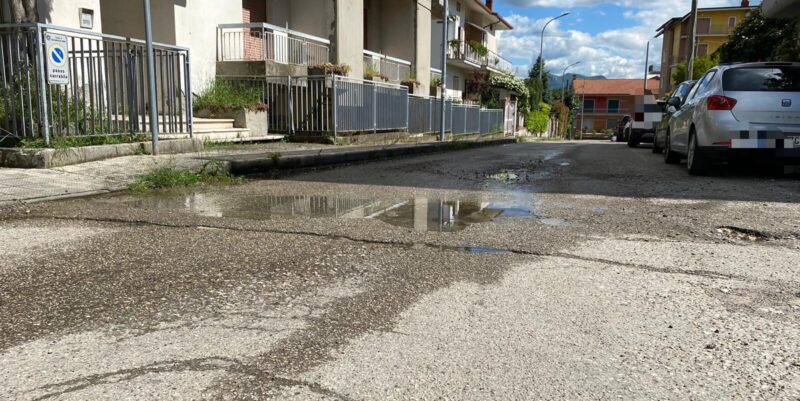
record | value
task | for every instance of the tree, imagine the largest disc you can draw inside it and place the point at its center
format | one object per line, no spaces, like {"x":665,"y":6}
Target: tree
{"x":759,"y":38}
{"x":537,"y":88}
{"x":537,"y":120}
{"x":24,"y":11}
{"x":700,"y":66}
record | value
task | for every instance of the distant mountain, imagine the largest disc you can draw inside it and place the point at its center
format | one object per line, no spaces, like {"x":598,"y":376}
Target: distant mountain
{"x":555,"y":81}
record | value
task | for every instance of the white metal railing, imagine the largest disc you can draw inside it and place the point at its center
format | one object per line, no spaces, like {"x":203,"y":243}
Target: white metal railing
{"x":104,"y":92}
{"x":425,"y":116}
{"x":394,"y":69}
{"x":498,"y":63}
{"x":266,"y":42}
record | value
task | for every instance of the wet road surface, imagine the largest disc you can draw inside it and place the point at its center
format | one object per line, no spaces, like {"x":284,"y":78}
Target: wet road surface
{"x":530,"y":271}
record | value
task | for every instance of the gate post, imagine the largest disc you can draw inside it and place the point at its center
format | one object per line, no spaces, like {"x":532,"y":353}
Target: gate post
{"x":42,"y":86}
{"x":290,"y":104}
{"x":335,"y":100}
{"x":374,"y":108}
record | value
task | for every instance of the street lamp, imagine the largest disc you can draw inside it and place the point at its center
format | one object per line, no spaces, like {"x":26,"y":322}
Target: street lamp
{"x":541,"y":46}
{"x":563,"y":75}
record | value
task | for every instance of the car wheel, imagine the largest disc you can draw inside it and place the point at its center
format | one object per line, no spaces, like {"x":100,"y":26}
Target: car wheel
{"x":696,"y":162}
{"x":670,"y":157}
{"x":633,"y":140}
{"x":656,"y":149}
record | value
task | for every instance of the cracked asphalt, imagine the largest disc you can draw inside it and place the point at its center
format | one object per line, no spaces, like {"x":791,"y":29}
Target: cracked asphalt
{"x":582,"y":271}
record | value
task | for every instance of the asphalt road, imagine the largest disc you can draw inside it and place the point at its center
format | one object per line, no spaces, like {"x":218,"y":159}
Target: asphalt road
{"x":531,"y":271}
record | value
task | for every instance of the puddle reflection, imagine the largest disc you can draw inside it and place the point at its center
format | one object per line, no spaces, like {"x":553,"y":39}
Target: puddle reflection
{"x":419,"y":213}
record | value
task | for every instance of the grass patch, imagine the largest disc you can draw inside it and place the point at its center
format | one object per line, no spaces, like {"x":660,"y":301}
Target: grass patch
{"x":222,"y":96}
{"x":78,"y":141}
{"x":170,"y":177}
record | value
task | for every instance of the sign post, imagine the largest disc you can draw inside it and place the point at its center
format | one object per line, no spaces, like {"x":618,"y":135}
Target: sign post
{"x":57,"y":59}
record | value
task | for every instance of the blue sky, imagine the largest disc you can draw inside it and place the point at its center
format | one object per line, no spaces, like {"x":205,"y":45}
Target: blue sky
{"x":609,"y":37}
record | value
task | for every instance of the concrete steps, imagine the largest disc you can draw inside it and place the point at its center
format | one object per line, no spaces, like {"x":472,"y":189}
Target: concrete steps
{"x":201,"y":124}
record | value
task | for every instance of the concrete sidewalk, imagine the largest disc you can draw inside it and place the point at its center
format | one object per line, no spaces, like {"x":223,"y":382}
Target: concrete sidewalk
{"x":32,"y":185}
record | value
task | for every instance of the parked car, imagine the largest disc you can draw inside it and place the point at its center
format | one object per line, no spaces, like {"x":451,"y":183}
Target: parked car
{"x":750,"y":109}
{"x":680,"y":93}
{"x":620,"y":131}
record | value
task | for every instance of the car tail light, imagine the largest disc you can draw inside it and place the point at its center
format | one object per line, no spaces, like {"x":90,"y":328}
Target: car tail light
{"x":721,"y":103}
{"x":723,"y":143}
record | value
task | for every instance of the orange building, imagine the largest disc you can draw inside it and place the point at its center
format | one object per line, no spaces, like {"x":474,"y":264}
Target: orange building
{"x":606,"y":101}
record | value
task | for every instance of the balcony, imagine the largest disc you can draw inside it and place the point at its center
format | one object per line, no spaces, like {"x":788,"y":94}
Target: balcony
{"x":475,"y":56}
{"x":497,"y":63}
{"x":715,"y":30}
{"x":606,"y":111}
{"x":265,"y":42}
{"x":465,"y":53}
{"x":390,"y":68}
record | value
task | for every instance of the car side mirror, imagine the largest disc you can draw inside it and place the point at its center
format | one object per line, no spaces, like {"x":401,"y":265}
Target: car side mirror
{"x":671,"y":110}
{"x":674,"y":102}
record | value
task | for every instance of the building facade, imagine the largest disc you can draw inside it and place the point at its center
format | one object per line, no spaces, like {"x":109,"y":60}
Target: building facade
{"x":472,"y":44}
{"x":396,"y":40}
{"x":607,"y":101}
{"x":714,"y":27}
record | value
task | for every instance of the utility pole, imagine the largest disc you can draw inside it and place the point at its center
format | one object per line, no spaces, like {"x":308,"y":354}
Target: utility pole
{"x":692,"y":45}
{"x":646,"y":62}
{"x":444,"y":68}
{"x":151,"y":75}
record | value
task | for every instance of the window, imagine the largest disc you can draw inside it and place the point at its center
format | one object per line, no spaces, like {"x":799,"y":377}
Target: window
{"x":703,"y":26}
{"x":731,"y":22}
{"x":613,"y":106}
{"x":458,"y":6}
{"x":702,"y":50}
{"x":762,"y":79}
{"x":588,"y":105}
{"x":701,"y":85}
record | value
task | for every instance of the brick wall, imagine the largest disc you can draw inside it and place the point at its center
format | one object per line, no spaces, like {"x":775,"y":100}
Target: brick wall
{"x":254,"y":11}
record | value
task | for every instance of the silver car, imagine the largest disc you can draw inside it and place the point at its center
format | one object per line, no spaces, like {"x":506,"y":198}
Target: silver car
{"x":737,"y":108}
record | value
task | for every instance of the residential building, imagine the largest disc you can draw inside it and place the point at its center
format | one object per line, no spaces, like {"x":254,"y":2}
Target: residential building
{"x":606,"y":101}
{"x":714,"y":27}
{"x":471,"y":43}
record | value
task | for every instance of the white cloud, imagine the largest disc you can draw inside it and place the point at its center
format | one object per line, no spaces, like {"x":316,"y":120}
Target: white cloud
{"x":617,"y":53}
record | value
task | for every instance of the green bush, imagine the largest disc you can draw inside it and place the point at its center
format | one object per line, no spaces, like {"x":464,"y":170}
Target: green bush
{"x":222,"y":96}
{"x":537,"y":119}
{"x":211,"y":173}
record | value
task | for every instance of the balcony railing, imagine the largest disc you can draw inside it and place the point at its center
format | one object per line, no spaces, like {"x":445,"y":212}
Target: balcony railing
{"x":497,"y":63}
{"x":265,"y":42}
{"x":715,"y":29}
{"x":394,"y":69}
{"x":612,"y":110}
{"x":458,"y":50}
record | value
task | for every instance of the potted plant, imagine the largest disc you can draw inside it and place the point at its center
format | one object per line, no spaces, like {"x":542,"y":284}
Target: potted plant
{"x":329,"y":69}
{"x":455,"y":47}
{"x":436,"y":87}
{"x":410,"y":83}
{"x":478,"y":48}
{"x":376,"y":76}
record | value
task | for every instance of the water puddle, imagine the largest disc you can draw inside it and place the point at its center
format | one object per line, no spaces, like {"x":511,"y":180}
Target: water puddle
{"x":553,"y":221}
{"x":439,"y":214}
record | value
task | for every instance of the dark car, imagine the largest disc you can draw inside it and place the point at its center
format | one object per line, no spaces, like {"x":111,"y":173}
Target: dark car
{"x":621,"y":133}
{"x":677,"y":99}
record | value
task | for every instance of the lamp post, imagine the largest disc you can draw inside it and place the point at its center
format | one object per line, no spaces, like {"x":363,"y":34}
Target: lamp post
{"x":563,"y":75}
{"x":541,"y":46}
{"x":151,"y":75}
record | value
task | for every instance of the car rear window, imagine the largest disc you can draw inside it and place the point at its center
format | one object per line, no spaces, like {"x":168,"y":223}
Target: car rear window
{"x":762,"y":79}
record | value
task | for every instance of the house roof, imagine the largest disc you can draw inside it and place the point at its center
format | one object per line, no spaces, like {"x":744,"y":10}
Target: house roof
{"x":482,"y":6}
{"x":627,"y":87}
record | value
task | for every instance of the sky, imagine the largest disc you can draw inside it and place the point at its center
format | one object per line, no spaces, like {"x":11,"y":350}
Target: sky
{"x":608,"y":37}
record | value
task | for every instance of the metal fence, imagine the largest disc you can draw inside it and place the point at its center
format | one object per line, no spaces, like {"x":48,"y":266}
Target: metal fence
{"x":106,"y":92}
{"x":320,"y":105}
{"x":425,"y":115}
{"x":265,"y":42}
{"x":394,"y":69}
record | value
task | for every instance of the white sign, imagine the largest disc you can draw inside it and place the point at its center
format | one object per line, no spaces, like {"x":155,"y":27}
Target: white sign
{"x":57,"y":58}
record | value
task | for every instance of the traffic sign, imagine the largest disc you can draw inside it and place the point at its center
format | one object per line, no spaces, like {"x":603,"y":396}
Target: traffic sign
{"x":57,"y":59}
